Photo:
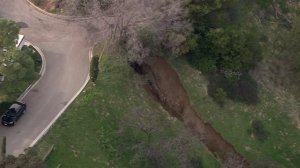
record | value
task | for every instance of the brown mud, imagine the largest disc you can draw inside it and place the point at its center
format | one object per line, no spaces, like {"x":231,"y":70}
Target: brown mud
{"x":164,"y":84}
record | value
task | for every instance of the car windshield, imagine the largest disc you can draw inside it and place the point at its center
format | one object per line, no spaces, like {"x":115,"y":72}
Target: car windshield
{"x":7,"y":118}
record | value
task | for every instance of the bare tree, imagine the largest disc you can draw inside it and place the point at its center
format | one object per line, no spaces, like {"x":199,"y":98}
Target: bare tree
{"x":164,"y":18}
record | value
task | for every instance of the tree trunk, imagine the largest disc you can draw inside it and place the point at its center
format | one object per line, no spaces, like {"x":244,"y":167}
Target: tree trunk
{"x":3,"y":153}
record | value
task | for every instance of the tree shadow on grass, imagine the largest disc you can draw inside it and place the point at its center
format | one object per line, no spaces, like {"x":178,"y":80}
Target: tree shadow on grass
{"x":244,"y":90}
{"x":4,"y":106}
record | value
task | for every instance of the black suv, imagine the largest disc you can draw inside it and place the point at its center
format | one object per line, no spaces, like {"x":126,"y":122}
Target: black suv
{"x":13,"y":114}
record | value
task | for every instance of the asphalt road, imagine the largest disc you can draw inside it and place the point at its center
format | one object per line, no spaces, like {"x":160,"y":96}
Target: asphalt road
{"x":65,"y":45}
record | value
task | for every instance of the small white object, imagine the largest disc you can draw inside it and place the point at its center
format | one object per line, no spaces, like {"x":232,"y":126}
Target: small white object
{"x":20,"y":42}
{"x":1,"y":78}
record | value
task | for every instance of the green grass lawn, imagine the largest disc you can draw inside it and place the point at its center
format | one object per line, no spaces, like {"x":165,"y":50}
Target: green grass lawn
{"x":86,"y":136}
{"x":234,"y":119}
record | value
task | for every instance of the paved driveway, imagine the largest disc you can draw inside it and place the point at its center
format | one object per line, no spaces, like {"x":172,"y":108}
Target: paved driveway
{"x":66,"y":48}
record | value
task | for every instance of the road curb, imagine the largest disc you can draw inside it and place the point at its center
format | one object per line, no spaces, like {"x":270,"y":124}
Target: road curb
{"x":41,"y":73}
{"x":62,"y":17}
{"x":44,"y":132}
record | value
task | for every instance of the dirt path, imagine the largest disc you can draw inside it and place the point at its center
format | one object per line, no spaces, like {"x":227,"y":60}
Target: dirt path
{"x":164,"y":83}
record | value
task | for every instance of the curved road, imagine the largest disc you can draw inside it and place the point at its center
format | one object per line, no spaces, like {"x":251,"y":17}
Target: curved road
{"x":65,"y":46}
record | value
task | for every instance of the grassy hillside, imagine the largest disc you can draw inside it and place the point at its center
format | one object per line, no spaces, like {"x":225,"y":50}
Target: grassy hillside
{"x":88,"y":133}
{"x":276,"y":111}
{"x":97,"y":132}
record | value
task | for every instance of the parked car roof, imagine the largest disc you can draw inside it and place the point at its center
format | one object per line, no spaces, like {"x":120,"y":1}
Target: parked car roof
{"x":16,"y":106}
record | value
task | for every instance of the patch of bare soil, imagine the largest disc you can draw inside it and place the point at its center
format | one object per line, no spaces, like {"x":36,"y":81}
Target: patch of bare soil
{"x":164,"y":84}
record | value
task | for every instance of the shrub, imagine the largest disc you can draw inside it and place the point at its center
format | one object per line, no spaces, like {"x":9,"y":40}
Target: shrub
{"x":94,"y":69}
{"x":220,"y":96}
{"x":4,"y":106}
{"x":244,"y":90}
{"x":31,"y":51}
{"x":225,"y":51}
{"x":258,"y":130}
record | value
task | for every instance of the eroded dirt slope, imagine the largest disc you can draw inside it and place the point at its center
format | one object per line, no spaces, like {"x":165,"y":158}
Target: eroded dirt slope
{"x":164,"y":84}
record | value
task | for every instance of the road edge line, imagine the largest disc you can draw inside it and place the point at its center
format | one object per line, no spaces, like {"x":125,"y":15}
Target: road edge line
{"x":41,"y":73}
{"x":44,"y":132}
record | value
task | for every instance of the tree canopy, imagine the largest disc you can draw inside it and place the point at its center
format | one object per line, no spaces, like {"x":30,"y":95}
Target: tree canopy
{"x":225,"y":45}
{"x":9,"y":31}
{"x":16,"y":65}
{"x":225,"y":50}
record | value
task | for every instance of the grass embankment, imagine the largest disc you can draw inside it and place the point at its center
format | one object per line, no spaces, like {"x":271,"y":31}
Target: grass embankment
{"x":233,"y":121}
{"x":88,"y":133}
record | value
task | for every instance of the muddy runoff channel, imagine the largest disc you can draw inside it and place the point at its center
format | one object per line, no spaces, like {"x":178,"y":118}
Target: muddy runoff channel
{"x":164,"y":84}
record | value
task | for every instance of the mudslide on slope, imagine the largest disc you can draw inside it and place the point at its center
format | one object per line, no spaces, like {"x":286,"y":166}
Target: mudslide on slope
{"x":164,"y":84}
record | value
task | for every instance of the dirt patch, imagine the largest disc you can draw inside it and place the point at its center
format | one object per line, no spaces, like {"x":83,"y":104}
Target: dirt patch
{"x":164,"y":84}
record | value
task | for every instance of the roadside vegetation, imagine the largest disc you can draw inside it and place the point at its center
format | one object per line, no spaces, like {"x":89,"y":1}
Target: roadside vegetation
{"x":29,"y":159}
{"x":36,"y":57}
{"x":19,"y":67}
{"x":94,"y":69}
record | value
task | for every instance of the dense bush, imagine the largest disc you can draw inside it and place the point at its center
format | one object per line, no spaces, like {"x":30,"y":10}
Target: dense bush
{"x":4,"y":106}
{"x":35,"y":57}
{"x":220,"y":96}
{"x":244,"y":90}
{"x":258,"y":130}
{"x":225,"y":48}
{"x":94,"y":69}
{"x":229,"y":51}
